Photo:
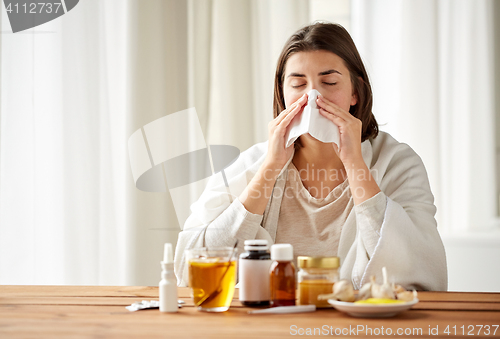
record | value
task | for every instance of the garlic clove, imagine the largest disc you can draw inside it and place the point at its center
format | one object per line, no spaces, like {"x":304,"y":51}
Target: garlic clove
{"x":374,"y":283}
{"x":398,"y":289}
{"x":383,"y":291}
{"x":365,"y":292}
{"x":407,"y":295}
{"x":342,"y":291}
{"x":326,"y":296}
{"x":330,"y":295}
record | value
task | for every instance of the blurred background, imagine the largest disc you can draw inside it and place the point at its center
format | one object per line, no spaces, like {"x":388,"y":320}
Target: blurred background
{"x":73,"y":90}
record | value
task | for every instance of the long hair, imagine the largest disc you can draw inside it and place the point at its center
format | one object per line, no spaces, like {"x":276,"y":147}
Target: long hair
{"x":333,"y":38}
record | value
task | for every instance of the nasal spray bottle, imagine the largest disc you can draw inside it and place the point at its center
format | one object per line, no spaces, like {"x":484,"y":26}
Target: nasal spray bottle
{"x":168,"y":283}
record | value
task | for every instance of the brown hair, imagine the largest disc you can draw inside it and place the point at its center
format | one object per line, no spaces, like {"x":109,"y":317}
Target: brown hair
{"x":333,"y":38}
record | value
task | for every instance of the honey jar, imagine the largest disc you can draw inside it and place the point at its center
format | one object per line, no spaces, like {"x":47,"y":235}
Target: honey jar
{"x":316,"y":276}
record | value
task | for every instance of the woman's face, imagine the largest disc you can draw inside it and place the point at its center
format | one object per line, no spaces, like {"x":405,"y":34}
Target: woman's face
{"x":320,"y":70}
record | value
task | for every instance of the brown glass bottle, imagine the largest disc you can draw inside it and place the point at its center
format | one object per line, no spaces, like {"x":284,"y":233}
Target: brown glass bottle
{"x":282,"y":276}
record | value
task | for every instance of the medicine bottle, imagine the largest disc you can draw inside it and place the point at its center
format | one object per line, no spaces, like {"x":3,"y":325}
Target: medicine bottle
{"x":316,"y":276}
{"x":282,"y":275}
{"x":254,"y":273}
{"x":168,"y":285}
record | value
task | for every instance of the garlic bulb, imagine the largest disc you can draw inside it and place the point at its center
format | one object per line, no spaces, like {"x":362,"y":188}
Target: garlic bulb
{"x":383,"y":291}
{"x":342,"y":291}
{"x":365,"y":291}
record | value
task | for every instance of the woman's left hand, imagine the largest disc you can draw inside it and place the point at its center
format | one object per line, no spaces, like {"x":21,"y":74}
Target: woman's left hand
{"x":349,"y":150}
{"x":350,"y":128}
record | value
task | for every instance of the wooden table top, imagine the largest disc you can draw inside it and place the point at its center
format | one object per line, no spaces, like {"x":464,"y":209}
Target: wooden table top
{"x":99,"y":311}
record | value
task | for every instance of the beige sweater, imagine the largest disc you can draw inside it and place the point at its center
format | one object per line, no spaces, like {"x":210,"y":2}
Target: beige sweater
{"x":312,"y":225}
{"x":406,"y":242}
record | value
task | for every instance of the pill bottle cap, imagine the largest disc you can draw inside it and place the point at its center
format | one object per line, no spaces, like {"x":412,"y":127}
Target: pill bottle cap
{"x":282,"y":252}
{"x":256,"y":245}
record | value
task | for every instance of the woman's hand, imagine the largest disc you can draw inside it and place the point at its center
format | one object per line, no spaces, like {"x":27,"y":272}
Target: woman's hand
{"x":277,"y":153}
{"x":350,"y":128}
{"x":258,"y":192}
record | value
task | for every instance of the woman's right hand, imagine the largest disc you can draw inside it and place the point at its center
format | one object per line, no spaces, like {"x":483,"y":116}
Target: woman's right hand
{"x":258,"y":192}
{"x":277,"y":154}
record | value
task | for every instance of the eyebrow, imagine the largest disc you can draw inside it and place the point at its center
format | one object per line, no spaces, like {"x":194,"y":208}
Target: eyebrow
{"x":298,"y":75}
{"x":330,"y":71}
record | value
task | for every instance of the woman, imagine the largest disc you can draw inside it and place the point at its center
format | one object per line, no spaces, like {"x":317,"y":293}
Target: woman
{"x":367,"y":200}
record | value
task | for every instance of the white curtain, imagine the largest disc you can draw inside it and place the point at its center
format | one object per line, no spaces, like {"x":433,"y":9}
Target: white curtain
{"x":62,"y":164}
{"x":246,"y":39}
{"x":431,"y":64}
{"x":73,"y":90}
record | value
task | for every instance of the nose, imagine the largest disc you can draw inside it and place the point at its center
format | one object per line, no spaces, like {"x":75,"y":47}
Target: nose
{"x":317,"y":93}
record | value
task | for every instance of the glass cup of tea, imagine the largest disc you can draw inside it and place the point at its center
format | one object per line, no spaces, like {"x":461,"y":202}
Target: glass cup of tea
{"x":212,"y":276}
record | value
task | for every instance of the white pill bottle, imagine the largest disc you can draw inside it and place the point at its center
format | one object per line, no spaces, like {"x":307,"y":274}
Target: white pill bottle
{"x":254,"y":265}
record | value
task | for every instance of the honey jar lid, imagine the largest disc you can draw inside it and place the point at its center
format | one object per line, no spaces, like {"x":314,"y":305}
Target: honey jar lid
{"x":318,"y":262}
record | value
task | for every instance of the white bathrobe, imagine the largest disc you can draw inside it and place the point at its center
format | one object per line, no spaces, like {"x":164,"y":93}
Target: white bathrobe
{"x":407,"y":242}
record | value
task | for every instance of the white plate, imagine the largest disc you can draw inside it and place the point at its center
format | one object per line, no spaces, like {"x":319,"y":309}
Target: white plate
{"x":370,"y":310}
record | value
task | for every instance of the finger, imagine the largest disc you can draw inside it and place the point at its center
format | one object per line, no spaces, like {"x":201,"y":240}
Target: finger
{"x":287,"y":111}
{"x":282,"y":115}
{"x":281,"y":129}
{"x":332,"y":117}
{"x":353,"y":126}
{"x":332,"y":108}
{"x":294,"y":109}
{"x":292,"y":114}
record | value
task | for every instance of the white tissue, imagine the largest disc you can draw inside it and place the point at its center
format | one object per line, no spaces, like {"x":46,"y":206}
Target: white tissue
{"x":312,"y":122}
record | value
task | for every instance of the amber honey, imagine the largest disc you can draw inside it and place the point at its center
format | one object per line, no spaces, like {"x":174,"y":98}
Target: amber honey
{"x":316,"y":276}
{"x":310,"y":289}
{"x":206,"y":277}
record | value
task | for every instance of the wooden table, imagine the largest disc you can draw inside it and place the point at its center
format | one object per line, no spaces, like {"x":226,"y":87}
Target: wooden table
{"x":99,"y":311}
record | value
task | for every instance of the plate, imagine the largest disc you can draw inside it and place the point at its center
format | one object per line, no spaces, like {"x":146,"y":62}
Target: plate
{"x":371,"y":311}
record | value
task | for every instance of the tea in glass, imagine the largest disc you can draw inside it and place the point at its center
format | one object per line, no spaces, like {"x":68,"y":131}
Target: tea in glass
{"x":212,"y":277}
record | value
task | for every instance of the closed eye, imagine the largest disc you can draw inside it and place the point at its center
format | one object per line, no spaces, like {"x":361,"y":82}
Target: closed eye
{"x":298,"y":86}
{"x":330,"y":83}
